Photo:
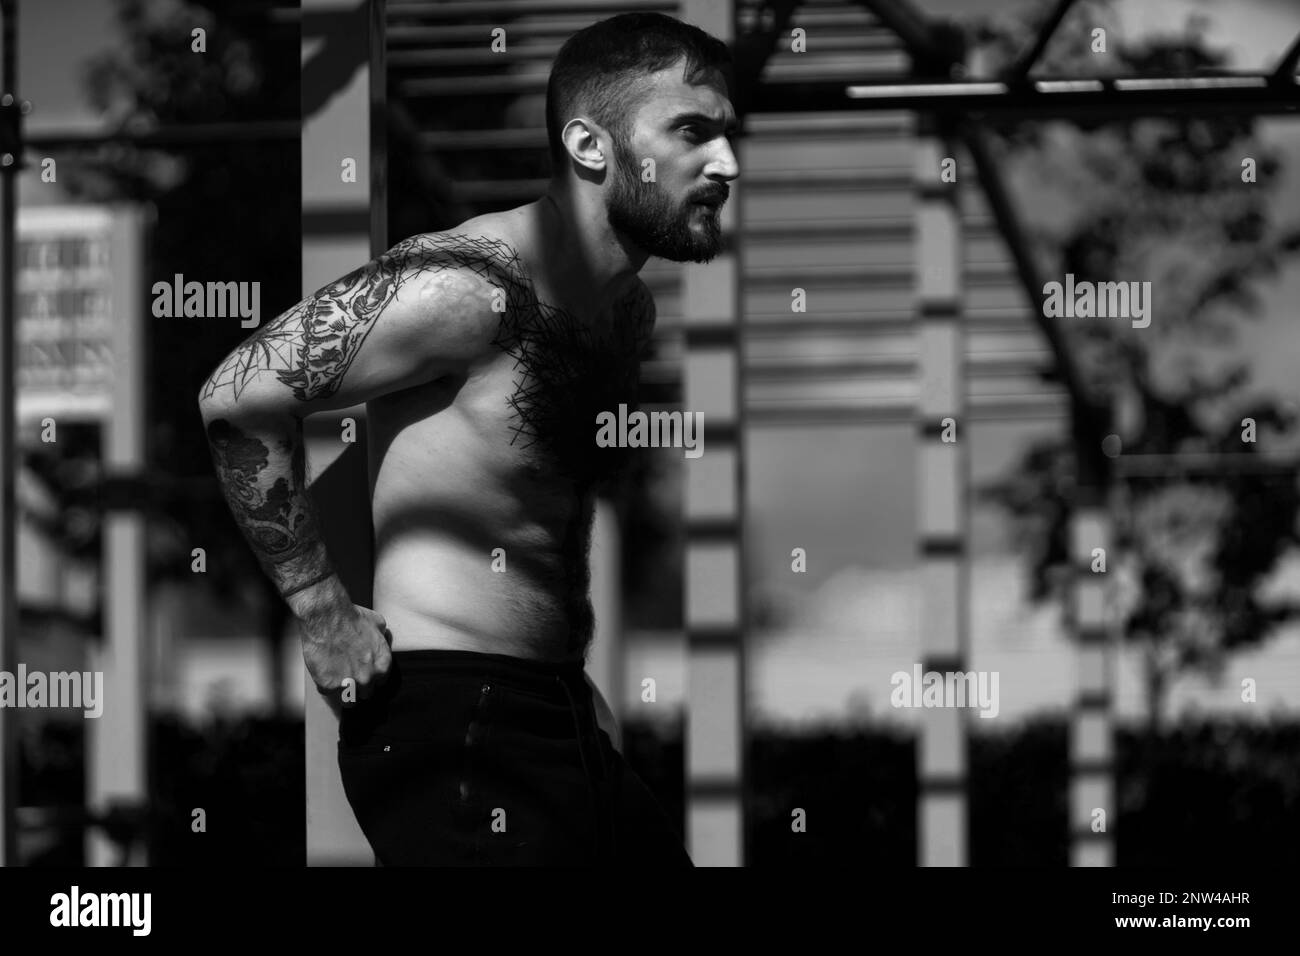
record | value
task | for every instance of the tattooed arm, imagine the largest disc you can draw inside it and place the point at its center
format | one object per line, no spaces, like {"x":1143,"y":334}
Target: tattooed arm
{"x":419,"y":312}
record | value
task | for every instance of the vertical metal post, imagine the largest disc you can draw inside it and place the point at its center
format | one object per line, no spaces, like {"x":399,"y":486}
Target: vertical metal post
{"x":116,"y":742}
{"x":8,"y":460}
{"x":1093,"y":810}
{"x":942,"y":475}
{"x":714,"y":516}
{"x":343,"y":225}
{"x":605,"y":665}
{"x":377,"y":79}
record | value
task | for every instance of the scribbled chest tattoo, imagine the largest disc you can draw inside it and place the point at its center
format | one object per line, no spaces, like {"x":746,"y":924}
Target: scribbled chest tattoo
{"x":567,"y":374}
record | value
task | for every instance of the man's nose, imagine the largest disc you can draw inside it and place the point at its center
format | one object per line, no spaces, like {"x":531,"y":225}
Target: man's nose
{"x":724,"y":165}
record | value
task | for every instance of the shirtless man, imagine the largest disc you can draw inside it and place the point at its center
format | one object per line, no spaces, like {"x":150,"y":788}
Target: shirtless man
{"x":484,"y":354}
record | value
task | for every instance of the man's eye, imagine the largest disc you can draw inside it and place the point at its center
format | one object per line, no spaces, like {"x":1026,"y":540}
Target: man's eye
{"x":694,"y":132}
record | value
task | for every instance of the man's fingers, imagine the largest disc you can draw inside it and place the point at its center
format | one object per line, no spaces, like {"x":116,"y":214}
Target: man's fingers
{"x":373,"y":674}
{"x":365,"y":685}
{"x":383,"y":659}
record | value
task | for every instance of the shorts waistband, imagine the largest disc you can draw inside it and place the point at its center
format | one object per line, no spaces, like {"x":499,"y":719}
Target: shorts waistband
{"x":415,"y":663}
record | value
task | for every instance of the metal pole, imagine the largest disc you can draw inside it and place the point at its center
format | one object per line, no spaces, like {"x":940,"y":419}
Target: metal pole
{"x":8,"y":461}
{"x":116,"y":742}
{"x":343,"y":226}
{"x":1249,"y":94}
{"x":714,"y":505}
{"x":943,"y":478}
{"x":1093,"y":811}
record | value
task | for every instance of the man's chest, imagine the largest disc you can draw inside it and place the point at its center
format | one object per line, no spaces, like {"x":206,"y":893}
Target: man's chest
{"x":559,"y":376}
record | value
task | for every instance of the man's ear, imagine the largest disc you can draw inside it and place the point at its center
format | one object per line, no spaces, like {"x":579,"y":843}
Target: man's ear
{"x":581,"y":138}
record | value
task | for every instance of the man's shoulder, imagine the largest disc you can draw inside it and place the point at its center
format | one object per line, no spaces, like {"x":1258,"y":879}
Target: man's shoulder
{"x":473,"y":269}
{"x":482,"y":252}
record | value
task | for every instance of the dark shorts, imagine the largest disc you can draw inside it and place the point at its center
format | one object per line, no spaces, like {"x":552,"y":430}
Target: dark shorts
{"x":468,"y":759}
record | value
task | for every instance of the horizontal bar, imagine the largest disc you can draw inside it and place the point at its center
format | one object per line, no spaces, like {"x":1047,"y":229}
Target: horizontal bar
{"x":1119,"y":96}
{"x":841,"y":415}
{"x":1192,"y":83}
{"x":466,"y":139}
{"x":834,"y":366}
{"x":941,"y":546}
{"x":866,"y":230}
{"x":890,"y":180}
{"x":943,"y":663}
{"x":447,"y":57}
{"x":714,"y":530}
{"x":828,"y":366}
{"x":333,"y":220}
{"x":712,"y":788}
{"x":1094,"y":701}
{"x":941,"y":785}
{"x":197,"y":134}
{"x":712,"y":335}
{"x":1092,"y":768}
{"x":863,"y":325}
{"x":501,"y":84}
{"x":916,"y":90}
{"x":493,"y":9}
{"x":714,"y":638}
{"x":445,"y":33}
{"x":871,"y":126}
{"x":1089,"y":835}
{"x":1049,"y":99}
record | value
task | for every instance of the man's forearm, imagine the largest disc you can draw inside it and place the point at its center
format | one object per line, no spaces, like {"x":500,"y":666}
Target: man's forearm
{"x":261,"y":466}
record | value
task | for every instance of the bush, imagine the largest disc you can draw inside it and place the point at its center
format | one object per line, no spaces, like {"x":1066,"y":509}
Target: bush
{"x":1210,"y":793}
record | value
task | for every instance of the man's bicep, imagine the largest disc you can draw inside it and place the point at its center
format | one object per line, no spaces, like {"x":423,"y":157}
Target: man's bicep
{"x":393,"y":332}
{"x":396,"y":322}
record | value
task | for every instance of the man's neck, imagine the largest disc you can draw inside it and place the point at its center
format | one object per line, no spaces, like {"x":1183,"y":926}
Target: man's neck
{"x":581,"y":250}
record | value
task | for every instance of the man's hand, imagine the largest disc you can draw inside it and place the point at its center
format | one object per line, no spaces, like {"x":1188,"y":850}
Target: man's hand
{"x":352,"y":644}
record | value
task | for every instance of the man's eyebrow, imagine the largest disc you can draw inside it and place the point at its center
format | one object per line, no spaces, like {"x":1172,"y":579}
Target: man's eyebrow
{"x":697,"y":117}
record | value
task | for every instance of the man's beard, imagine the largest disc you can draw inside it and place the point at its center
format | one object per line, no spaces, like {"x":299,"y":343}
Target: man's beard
{"x":647,"y":217}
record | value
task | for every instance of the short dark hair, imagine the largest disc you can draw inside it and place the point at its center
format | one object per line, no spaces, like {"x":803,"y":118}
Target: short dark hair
{"x":598,"y":67}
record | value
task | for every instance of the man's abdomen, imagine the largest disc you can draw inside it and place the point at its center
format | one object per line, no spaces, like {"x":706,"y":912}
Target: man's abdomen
{"x":439,"y":594}
{"x":480,"y":544}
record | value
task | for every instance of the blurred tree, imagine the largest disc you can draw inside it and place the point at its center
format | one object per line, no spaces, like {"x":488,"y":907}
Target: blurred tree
{"x":1159,"y":200}
{"x":221,"y":210}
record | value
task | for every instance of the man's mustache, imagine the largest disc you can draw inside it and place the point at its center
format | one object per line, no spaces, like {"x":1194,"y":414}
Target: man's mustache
{"x":718,"y":195}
